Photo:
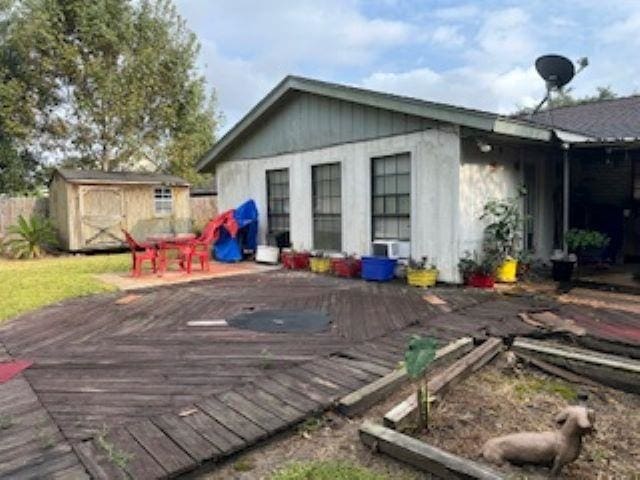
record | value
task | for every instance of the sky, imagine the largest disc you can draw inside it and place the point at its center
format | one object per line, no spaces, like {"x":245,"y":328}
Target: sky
{"x":473,"y":54}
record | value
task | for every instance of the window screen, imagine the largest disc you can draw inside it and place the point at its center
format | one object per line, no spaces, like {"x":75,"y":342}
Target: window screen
{"x":278,"y":200}
{"x":326,"y":198}
{"x":391,"y":197}
{"x":163,"y":200}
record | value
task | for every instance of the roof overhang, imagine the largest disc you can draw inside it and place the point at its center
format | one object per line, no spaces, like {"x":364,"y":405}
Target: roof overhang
{"x":475,"y":119}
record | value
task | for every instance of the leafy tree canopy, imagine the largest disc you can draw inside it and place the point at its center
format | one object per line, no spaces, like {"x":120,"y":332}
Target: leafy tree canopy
{"x":564,"y":98}
{"x":108,"y":84}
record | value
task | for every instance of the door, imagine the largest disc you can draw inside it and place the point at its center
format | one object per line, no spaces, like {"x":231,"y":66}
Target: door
{"x":101,"y":217}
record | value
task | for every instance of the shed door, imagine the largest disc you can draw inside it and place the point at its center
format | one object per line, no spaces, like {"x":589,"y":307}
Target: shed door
{"x":101,"y":217}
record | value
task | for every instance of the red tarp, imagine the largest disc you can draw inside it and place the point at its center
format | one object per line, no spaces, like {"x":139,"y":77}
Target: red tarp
{"x":9,"y":370}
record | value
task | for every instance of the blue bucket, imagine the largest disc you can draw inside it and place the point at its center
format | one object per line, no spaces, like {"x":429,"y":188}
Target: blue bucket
{"x":380,"y":269}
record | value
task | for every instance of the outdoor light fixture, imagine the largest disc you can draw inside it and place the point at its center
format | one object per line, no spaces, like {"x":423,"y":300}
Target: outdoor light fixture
{"x":483,"y":146}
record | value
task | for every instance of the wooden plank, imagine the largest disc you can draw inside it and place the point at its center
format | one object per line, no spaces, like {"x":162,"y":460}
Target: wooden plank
{"x":343,"y":381}
{"x":402,"y":415}
{"x":238,"y":424}
{"x":362,"y":399}
{"x":292,"y":397}
{"x":557,"y":371}
{"x":304,"y":387}
{"x":96,"y":461}
{"x":272,"y":403}
{"x":423,"y":456}
{"x":253,"y":412}
{"x":612,"y":370}
{"x":169,"y":455}
{"x":189,"y":440}
{"x":225,"y":440}
{"x":138,"y":463}
{"x":362,"y":365}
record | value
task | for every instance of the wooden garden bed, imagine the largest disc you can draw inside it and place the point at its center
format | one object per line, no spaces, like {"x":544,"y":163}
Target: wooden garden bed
{"x":505,"y":397}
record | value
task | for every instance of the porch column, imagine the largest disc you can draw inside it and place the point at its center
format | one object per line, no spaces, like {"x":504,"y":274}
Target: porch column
{"x":566,"y":172}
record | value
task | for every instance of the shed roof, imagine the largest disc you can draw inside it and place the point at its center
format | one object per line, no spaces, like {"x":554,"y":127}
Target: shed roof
{"x":139,"y":178}
{"x":466,"y":117}
{"x":615,"y":119}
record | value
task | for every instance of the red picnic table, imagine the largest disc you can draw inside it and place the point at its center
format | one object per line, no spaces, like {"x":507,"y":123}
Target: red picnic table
{"x":173,"y":248}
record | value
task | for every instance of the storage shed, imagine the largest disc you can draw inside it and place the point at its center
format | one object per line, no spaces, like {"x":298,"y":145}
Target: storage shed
{"x":89,"y":208}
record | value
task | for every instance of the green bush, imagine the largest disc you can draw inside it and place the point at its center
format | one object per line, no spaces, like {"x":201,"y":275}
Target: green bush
{"x":582,"y":239}
{"x":29,"y":238}
{"x":325,"y":470}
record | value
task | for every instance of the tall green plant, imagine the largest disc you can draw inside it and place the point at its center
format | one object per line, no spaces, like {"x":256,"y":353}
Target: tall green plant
{"x":420,"y":353}
{"x":29,"y":238}
{"x":503,"y":232}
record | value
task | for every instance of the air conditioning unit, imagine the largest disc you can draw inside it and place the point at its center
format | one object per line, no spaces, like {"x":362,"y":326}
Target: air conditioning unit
{"x":386,"y":248}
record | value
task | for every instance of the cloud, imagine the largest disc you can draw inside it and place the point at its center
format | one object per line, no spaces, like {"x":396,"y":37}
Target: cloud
{"x":459,"y":12}
{"x":448,"y":36}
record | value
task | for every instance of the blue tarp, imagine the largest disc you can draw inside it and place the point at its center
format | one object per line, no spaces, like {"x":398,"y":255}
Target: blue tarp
{"x":228,"y":248}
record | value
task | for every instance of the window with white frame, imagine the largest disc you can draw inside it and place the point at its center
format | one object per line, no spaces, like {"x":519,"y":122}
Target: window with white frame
{"x":391,"y":197}
{"x":163,"y":200}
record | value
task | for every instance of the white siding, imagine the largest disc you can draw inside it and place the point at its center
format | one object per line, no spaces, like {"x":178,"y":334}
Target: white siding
{"x":435,"y":168}
{"x":498,"y":174}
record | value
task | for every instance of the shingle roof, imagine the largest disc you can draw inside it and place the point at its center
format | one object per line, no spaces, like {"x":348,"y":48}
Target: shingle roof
{"x":98,"y":176}
{"x":615,"y":119}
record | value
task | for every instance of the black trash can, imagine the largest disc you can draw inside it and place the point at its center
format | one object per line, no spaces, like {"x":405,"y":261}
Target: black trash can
{"x":562,"y":270}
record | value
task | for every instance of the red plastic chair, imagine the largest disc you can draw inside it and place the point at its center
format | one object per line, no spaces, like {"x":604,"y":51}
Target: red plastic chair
{"x":139,"y":253}
{"x":200,"y":248}
{"x":181,"y":251}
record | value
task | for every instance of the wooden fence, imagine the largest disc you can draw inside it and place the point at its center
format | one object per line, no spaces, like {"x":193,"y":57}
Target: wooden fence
{"x":202,"y":209}
{"x":12,"y":207}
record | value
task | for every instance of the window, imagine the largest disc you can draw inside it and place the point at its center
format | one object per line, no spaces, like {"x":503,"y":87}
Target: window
{"x":163,"y":200}
{"x":278,"y":200}
{"x":391,"y":197}
{"x":326,"y":198}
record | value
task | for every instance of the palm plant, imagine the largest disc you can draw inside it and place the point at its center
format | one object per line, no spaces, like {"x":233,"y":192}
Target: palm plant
{"x":417,"y":358}
{"x":29,"y":238}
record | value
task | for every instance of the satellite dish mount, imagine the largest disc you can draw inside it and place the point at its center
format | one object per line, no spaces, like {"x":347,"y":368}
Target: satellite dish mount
{"x":556,"y":71}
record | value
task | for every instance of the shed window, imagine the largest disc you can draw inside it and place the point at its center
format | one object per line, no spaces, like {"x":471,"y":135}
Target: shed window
{"x":391,"y":197}
{"x":163,"y":200}
{"x":278,"y":200}
{"x":326,"y":198}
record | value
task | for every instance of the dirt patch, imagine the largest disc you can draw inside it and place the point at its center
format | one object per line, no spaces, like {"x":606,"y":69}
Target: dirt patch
{"x":500,"y":399}
{"x":328,"y":437}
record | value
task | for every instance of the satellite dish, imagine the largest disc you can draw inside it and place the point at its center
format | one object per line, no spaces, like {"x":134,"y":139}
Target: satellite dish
{"x":556,"y":70}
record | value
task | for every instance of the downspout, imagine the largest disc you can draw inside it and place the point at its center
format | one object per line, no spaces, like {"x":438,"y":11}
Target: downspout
{"x":566,"y":172}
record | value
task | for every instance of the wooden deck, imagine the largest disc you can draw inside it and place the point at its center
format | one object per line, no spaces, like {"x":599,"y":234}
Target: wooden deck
{"x":131,"y":383}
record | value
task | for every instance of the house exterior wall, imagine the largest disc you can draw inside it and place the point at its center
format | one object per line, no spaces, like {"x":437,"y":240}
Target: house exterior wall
{"x":498,"y":175}
{"x":305,"y":121}
{"x":435,"y":169}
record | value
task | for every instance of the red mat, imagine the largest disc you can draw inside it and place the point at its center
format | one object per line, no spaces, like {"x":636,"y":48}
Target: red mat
{"x":9,"y":370}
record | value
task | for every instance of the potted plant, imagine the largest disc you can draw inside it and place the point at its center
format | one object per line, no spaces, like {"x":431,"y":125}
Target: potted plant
{"x":319,"y":262}
{"x":524,"y":263}
{"x":588,"y":245}
{"x":478,"y":272}
{"x":503,"y":234}
{"x":421,"y":273}
{"x":419,"y":355}
{"x":347,"y":266}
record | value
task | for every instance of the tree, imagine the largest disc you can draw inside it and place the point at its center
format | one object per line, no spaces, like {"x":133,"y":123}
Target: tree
{"x":20,"y":171}
{"x":564,"y":98}
{"x":114,"y":84}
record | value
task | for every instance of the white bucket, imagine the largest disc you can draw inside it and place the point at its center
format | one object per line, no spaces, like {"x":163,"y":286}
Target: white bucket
{"x":267,"y":254}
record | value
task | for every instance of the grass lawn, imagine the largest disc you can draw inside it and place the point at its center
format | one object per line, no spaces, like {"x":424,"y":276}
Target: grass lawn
{"x":29,"y":284}
{"x":326,"y":470}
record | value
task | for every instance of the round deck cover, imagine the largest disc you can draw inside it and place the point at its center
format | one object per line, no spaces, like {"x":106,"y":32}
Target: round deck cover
{"x":282,"y":321}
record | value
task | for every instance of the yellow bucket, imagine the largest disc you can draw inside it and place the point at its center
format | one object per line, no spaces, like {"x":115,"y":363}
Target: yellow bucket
{"x":319,"y":264}
{"x":507,"y":272}
{"x":420,"y":277}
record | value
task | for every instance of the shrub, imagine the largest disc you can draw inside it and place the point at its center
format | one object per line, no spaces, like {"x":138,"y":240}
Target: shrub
{"x":29,"y":238}
{"x":582,"y":239}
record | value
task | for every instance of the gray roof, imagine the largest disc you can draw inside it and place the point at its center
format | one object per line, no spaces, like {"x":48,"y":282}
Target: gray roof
{"x":98,"y":176}
{"x":605,"y":120}
{"x":465,"y":117}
